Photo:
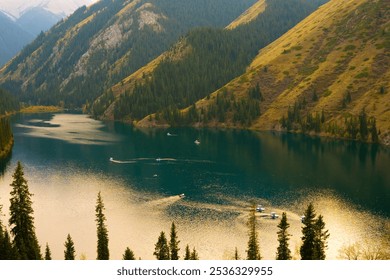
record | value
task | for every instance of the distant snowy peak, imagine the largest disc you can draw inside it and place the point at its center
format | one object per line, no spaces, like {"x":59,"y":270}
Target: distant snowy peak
{"x":16,"y":8}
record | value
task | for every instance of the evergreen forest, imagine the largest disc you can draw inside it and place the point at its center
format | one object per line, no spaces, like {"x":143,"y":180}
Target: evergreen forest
{"x":214,"y":57}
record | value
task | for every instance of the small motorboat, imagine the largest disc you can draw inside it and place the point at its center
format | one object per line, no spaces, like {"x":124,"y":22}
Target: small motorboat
{"x":158,"y":159}
{"x":182,"y":195}
{"x":303,"y":218}
{"x":168,"y":134}
{"x":197,"y":142}
{"x":111,"y":159}
{"x":260,"y":208}
{"x":274,"y":215}
{"x":155,"y":175}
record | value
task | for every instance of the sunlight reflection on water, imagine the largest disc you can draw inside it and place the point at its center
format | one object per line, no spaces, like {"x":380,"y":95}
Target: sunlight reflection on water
{"x":65,"y":204}
{"x":75,"y":129}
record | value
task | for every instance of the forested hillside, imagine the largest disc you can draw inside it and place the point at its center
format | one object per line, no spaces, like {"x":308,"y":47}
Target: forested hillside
{"x":198,"y":64}
{"x":329,"y":75}
{"x":8,"y":103}
{"x":98,"y":46}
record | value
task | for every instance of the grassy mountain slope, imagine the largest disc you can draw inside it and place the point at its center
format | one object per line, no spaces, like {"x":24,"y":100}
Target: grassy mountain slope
{"x":251,"y":14}
{"x":198,"y":64}
{"x":334,"y":64}
{"x":98,"y":46}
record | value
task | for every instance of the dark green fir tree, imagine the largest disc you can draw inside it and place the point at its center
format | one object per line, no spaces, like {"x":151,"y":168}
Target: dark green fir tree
{"x":194,"y":255}
{"x":253,"y":251}
{"x":309,"y":234}
{"x":283,"y":251}
{"x":102,"y":232}
{"x":47,"y":252}
{"x":7,"y":250}
{"x":161,"y":250}
{"x":321,"y":237}
{"x":314,"y":239}
{"x":174,"y":243}
{"x":187,"y":254}
{"x":21,"y":219}
{"x":69,"y":252}
{"x":128,"y":255}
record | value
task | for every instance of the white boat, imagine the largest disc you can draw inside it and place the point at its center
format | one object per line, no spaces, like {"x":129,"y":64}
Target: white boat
{"x":274,"y":215}
{"x":303,"y":218}
{"x":111,"y":159}
{"x":197,"y":142}
{"x":260,"y":208}
{"x":182,"y":195}
{"x":158,"y":159}
{"x":168,"y":134}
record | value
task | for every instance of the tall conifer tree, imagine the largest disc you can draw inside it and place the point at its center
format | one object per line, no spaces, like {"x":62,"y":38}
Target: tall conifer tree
{"x":308,"y":231}
{"x":102,"y":232}
{"x":320,"y":243}
{"x":69,"y":252}
{"x":21,"y":219}
{"x":314,"y":236}
{"x":283,"y":251}
{"x":7,"y":250}
{"x":174,"y":243}
{"x":253,"y":251}
{"x":161,"y":250}
{"x":187,"y":255}
{"x":47,"y":252}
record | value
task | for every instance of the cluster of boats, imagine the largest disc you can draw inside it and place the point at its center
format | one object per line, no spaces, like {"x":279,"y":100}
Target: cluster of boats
{"x":272,"y":215}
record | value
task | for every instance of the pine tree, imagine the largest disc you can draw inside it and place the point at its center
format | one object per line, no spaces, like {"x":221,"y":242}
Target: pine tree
{"x":194,"y":255}
{"x":161,"y":250}
{"x":7,"y":250}
{"x":321,"y":236}
{"x":69,"y":252}
{"x":174,"y":243}
{"x":308,"y":231}
{"x":253,"y":252}
{"x":128,"y":255}
{"x":21,"y":219}
{"x":236,"y":255}
{"x":102,"y":232}
{"x":47,"y":252}
{"x":187,"y":255}
{"x":283,"y":252}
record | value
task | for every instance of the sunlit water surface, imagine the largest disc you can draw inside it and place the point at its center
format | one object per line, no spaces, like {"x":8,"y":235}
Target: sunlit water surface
{"x":66,"y":160}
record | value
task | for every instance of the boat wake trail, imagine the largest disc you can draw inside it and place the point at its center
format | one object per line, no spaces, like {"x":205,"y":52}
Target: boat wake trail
{"x":164,"y":202}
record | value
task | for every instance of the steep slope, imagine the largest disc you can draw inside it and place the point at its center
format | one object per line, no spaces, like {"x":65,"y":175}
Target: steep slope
{"x":329,"y":75}
{"x":98,"y":46}
{"x":199,"y":63}
{"x":249,"y":15}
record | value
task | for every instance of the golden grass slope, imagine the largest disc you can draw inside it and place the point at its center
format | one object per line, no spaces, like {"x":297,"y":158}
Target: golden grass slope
{"x":342,"y":47}
{"x":249,"y":15}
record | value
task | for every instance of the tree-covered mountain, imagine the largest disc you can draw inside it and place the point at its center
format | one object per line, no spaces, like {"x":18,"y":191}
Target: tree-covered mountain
{"x":201,"y":62}
{"x":328,"y":75}
{"x":96,"y":47}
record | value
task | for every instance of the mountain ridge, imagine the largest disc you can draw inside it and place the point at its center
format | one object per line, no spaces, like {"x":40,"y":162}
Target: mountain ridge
{"x":322,"y":67}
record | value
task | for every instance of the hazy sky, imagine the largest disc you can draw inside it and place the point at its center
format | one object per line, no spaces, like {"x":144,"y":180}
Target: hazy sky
{"x":64,"y":7}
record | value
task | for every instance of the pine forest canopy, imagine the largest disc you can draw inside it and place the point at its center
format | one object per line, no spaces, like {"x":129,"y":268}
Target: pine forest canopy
{"x":210,"y":58}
